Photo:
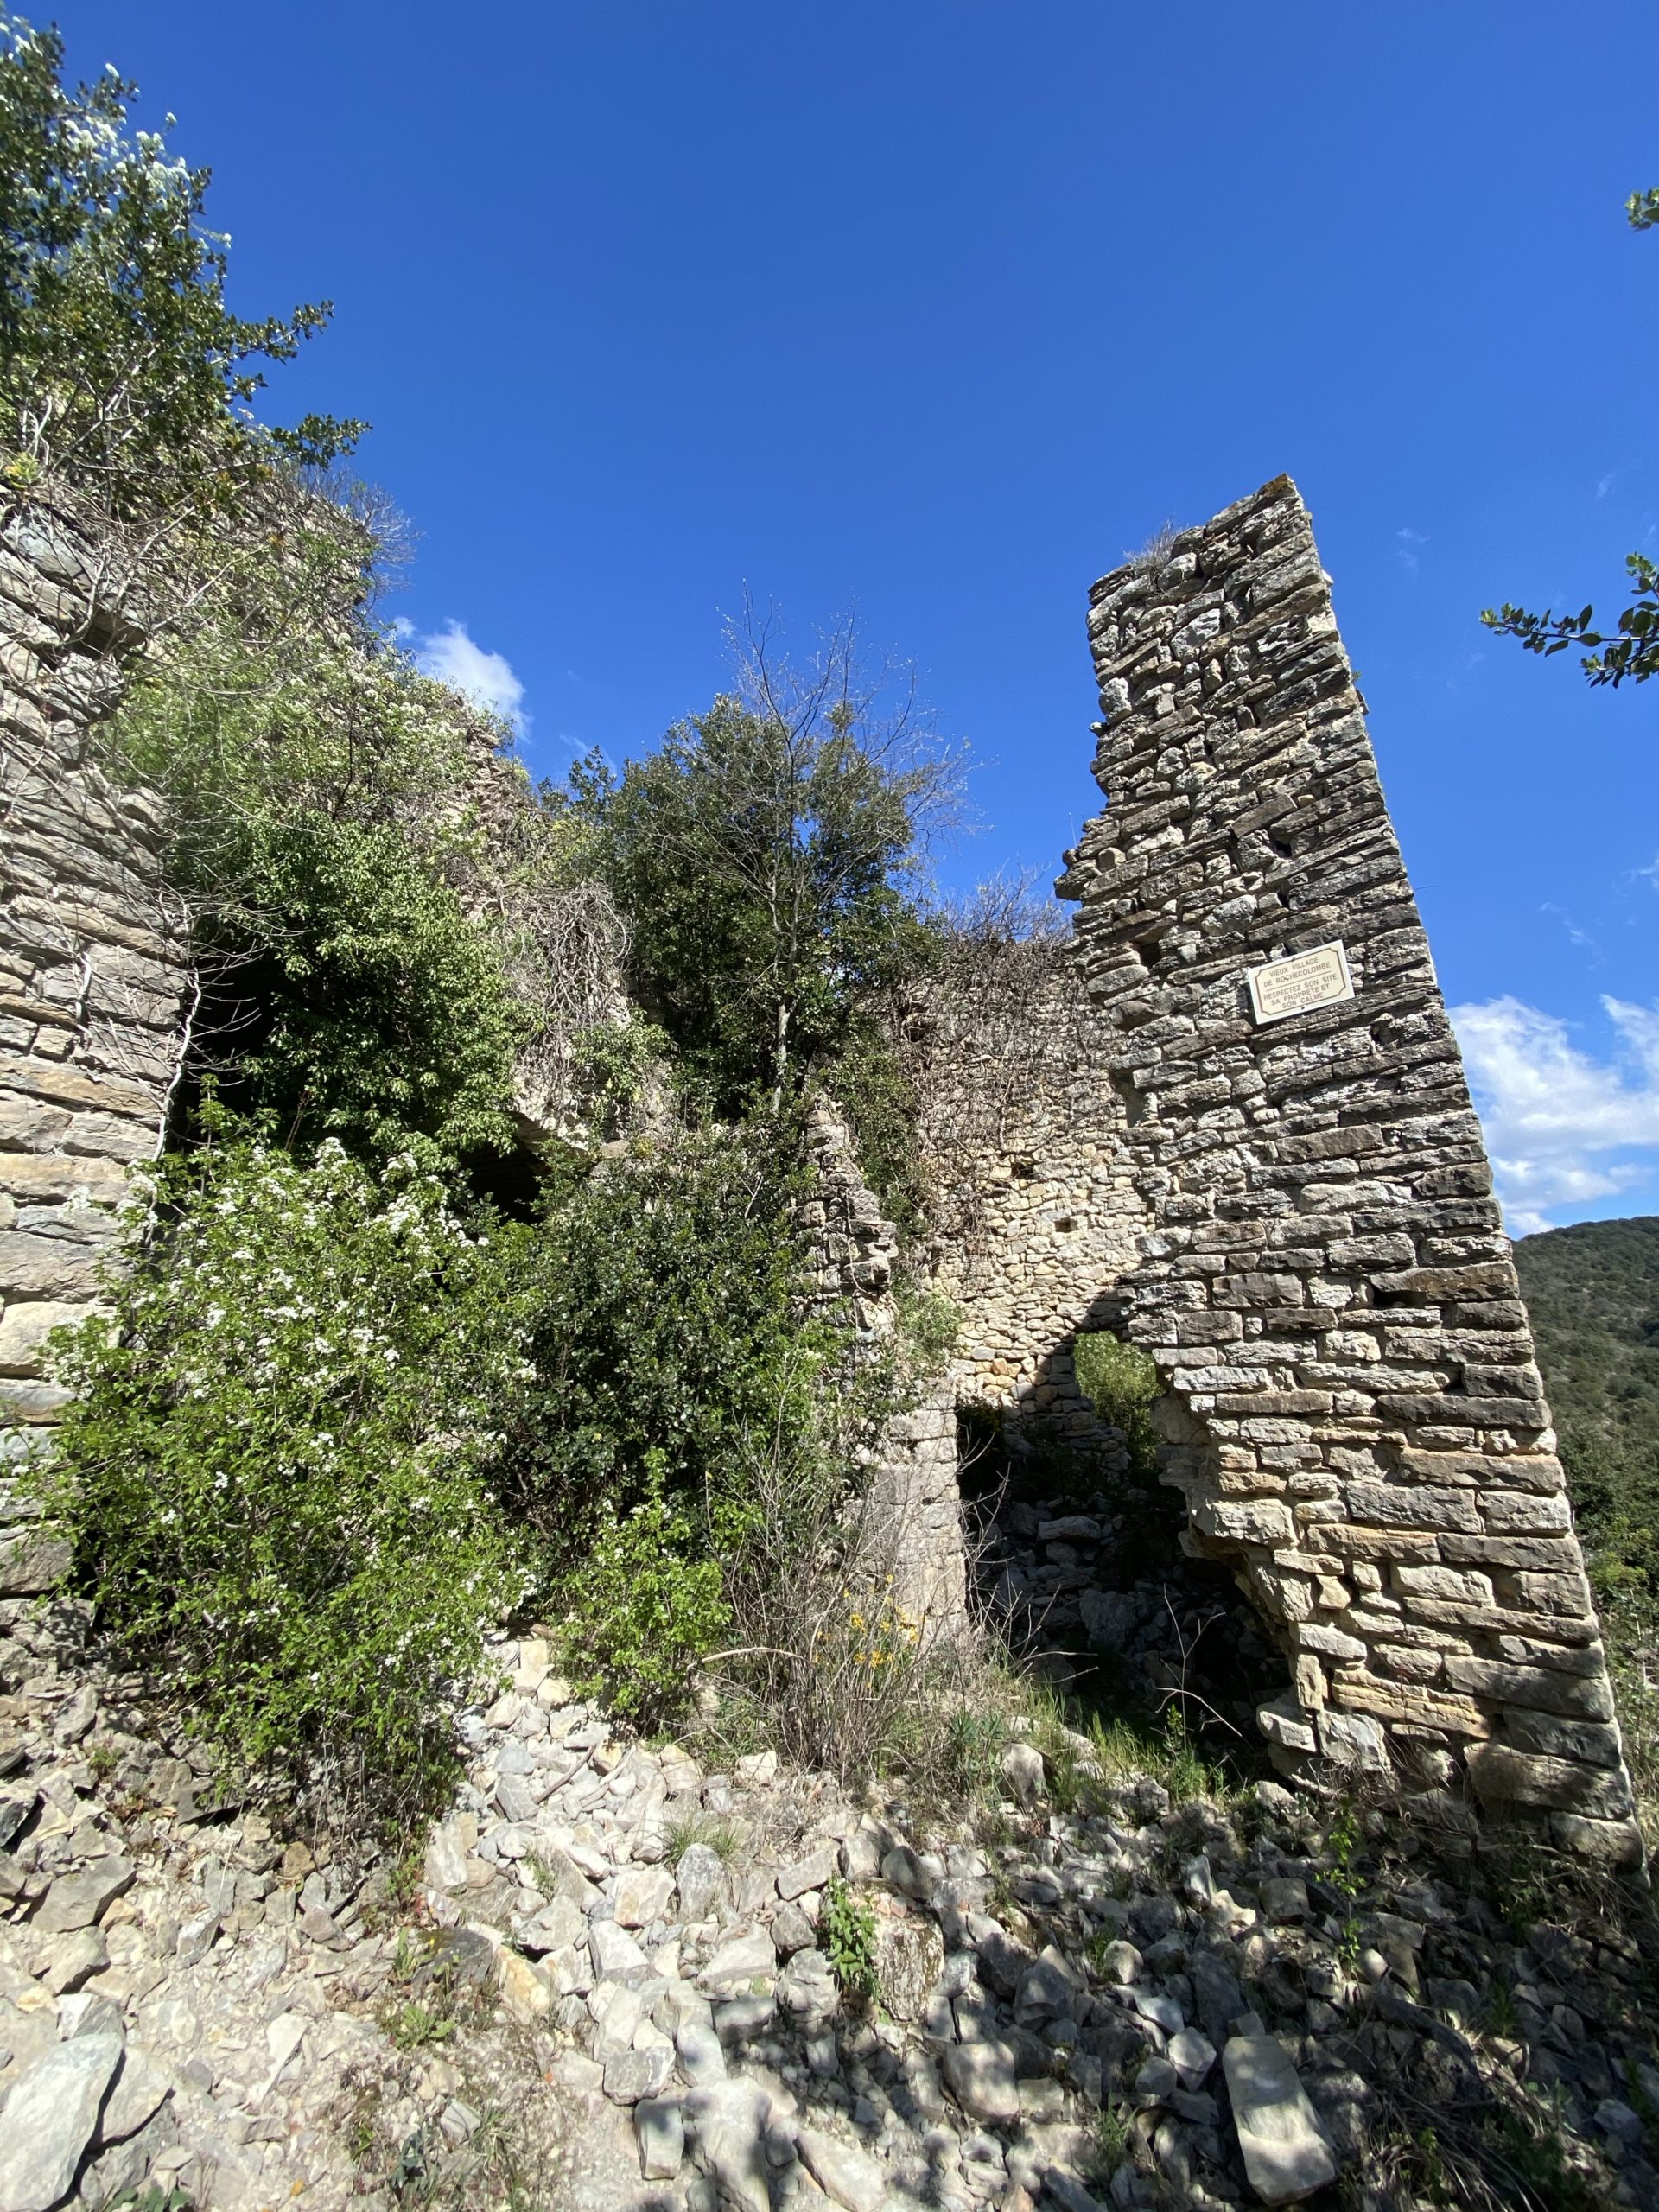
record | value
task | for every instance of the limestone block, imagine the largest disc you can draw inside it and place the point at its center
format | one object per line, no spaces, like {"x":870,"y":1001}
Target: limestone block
{"x":46,"y":1267}
{"x":1502,"y":1774}
{"x":1285,"y":2155}
{"x":1252,"y":1521}
{"x":1444,"y":1582}
{"x":25,"y":1329}
{"x":1539,"y":1688}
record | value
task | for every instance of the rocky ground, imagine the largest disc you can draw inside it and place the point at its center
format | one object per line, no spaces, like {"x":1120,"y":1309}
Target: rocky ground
{"x":616,"y":1980}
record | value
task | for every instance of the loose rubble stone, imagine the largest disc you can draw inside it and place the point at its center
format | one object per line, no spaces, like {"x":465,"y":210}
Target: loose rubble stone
{"x":811,"y":1873}
{"x":1022,"y":1770}
{"x":634,"y":2074}
{"x":77,"y":1900}
{"x":50,"y":2117}
{"x":642,"y":1895}
{"x":659,"y":2125}
{"x":983,"y":2079}
{"x":1285,"y":2156}
{"x":141,"y":2090}
{"x":742,"y":1958}
{"x":730,"y":2118}
{"x":841,"y":2170}
{"x":699,"y":1879}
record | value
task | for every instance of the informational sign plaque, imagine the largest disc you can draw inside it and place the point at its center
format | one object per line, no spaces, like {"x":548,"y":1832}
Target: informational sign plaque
{"x":1297,"y":985}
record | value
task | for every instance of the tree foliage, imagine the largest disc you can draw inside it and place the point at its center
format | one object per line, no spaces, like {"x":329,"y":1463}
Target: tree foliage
{"x":669,"y":1305}
{"x":1593,"y":1295}
{"x":761,"y":854}
{"x":1631,"y":649}
{"x":122,"y":369}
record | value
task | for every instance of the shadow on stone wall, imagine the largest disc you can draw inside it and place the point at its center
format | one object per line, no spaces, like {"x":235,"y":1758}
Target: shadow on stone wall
{"x":1077,"y":1566}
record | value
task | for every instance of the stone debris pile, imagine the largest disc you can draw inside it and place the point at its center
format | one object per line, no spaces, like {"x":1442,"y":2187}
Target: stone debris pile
{"x":631,"y":1963}
{"x":1052,"y":1576}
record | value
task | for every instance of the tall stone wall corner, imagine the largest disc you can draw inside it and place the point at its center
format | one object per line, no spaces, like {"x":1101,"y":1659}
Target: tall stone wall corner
{"x":1355,"y":1412}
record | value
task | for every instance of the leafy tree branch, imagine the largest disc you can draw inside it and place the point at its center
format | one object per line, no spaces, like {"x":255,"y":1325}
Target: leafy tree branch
{"x":1631,"y":648}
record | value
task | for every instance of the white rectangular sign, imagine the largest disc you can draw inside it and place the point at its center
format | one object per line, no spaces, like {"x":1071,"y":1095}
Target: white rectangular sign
{"x":1296,"y":986}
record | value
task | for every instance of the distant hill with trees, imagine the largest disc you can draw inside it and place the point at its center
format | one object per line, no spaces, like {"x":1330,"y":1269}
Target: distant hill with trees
{"x":1592,"y":1292}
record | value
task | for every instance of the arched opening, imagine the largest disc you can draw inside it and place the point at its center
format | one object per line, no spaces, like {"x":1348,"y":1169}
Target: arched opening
{"x":1079,"y":1559}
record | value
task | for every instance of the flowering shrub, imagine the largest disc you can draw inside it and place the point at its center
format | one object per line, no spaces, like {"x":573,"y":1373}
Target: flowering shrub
{"x":275,"y":1467}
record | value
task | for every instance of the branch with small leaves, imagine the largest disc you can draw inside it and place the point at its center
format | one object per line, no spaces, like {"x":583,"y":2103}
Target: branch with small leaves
{"x":1632,"y":650}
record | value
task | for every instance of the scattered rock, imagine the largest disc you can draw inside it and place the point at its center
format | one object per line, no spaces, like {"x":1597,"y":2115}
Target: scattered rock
{"x":699,"y":1879}
{"x":78,"y":1900}
{"x":51,"y":2115}
{"x":1021,"y":1767}
{"x":841,"y":2170}
{"x":983,"y":2079}
{"x":1285,"y":2156}
{"x":659,"y":2125}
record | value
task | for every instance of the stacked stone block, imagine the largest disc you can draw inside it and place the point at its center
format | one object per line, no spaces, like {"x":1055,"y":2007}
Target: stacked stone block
{"x":92,"y":978}
{"x":914,"y":1476}
{"x":1034,"y":1214}
{"x":1355,"y":1412}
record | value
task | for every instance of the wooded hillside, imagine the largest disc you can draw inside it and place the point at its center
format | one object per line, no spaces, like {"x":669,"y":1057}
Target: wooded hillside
{"x":1592,"y":1291}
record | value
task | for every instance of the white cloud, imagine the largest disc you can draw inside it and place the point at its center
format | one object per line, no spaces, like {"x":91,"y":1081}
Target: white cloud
{"x":1561,"y":1125}
{"x":1406,"y":543}
{"x":451,"y":656}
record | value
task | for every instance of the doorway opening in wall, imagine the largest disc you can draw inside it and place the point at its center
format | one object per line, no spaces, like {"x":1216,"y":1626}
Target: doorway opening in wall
{"x":1079,"y":1565}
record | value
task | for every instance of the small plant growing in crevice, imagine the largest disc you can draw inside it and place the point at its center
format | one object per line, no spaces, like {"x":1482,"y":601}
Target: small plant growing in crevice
{"x":846,"y":1931}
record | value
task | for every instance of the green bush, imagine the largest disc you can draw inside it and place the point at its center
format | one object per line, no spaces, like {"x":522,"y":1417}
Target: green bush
{"x":275,"y":1468}
{"x":668,"y":1349}
{"x":666,"y":1330}
{"x":645,"y":1606}
{"x":382,"y":1014}
{"x":1122,"y":1382}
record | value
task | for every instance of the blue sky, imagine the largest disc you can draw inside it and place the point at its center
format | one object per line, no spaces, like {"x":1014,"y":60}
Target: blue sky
{"x":937,"y":306}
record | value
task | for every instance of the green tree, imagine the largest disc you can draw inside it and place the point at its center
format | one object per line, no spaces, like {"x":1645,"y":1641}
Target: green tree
{"x":122,"y":369}
{"x":1631,"y":648}
{"x":762,"y":856}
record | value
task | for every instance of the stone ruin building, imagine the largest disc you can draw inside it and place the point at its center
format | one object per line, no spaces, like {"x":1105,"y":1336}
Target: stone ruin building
{"x":1243,"y":1141}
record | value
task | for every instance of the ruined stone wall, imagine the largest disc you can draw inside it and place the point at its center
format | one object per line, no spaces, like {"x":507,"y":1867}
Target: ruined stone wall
{"x":93,"y":979}
{"x":1035,"y":1217}
{"x":915,"y":1493}
{"x":1354,"y":1413}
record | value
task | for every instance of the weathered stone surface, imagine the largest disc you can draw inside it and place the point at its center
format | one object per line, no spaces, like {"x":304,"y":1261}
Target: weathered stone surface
{"x":659,"y":2126}
{"x":983,"y":2079}
{"x":141,"y":2090}
{"x":699,"y":1879}
{"x":632,"y":2076}
{"x":740,"y":1959}
{"x":1022,"y":1770}
{"x":730,"y":2119}
{"x":31,"y":1563}
{"x":77,"y":1900}
{"x":643,"y":1894}
{"x":909,"y":1958}
{"x":50,"y":2117}
{"x":843,"y":2172}
{"x":1285,"y":2156}
{"x":811,"y":1873}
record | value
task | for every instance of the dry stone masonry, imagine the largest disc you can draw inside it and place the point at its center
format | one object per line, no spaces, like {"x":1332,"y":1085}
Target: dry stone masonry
{"x":1354,"y":1410}
{"x":1036,"y":1215}
{"x":93,"y":974}
{"x":854,"y":1250}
